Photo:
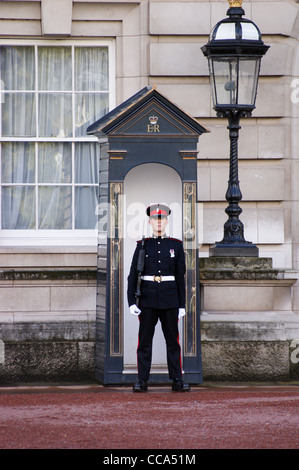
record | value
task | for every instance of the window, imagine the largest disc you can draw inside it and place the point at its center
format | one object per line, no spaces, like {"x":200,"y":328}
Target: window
{"x":49,"y":166}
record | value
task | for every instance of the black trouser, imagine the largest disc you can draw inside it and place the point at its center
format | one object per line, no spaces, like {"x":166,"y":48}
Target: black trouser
{"x":169,"y":322}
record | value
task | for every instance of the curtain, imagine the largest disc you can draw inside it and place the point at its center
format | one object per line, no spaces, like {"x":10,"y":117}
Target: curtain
{"x":91,"y":75}
{"x":18,"y":76}
{"x":40,"y":187}
{"x":54,"y":200}
{"x":54,"y":77}
{"x":18,"y":198}
{"x":86,"y":173}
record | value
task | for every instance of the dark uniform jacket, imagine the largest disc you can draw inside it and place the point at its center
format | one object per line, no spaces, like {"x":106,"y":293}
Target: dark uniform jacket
{"x":163,"y":256}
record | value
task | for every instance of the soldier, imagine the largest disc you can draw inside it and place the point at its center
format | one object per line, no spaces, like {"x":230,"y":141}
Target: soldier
{"x":162,"y":297}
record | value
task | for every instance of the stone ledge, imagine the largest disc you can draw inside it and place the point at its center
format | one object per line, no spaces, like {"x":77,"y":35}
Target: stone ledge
{"x":31,"y":332}
{"x":47,"y":273}
{"x":237,"y":262}
{"x":234,"y":267}
{"x":252,"y":326}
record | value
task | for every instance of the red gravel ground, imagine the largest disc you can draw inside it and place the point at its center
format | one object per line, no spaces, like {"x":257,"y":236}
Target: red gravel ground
{"x":95,"y":417}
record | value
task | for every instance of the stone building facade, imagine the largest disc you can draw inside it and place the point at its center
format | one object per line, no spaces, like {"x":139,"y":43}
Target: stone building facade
{"x":250,"y":311}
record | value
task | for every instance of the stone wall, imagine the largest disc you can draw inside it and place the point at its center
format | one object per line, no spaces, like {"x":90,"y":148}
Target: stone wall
{"x":47,"y":325}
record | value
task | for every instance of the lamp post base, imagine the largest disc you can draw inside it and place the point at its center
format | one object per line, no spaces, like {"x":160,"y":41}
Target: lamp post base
{"x":226,"y":249}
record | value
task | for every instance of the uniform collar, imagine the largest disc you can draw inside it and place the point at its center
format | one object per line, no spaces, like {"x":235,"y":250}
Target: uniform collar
{"x":156,"y":236}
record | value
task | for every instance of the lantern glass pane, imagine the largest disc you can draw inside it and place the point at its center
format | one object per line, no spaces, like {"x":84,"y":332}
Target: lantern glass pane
{"x":225,"y":73}
{"x":248,"y":78}
{"x":250,"y":31}
{"x":226,"y":31}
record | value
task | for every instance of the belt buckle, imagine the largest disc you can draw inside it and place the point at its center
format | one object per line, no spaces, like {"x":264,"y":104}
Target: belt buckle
{"x":157,"y":278}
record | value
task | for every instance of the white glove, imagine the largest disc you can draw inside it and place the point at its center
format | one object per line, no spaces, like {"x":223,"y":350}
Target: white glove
{"x":182,"y":313}
{"x":134,"y":310}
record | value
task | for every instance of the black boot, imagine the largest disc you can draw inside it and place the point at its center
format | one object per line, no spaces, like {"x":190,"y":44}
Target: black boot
{"x":180,"y":386}
{"x":140,"y":386}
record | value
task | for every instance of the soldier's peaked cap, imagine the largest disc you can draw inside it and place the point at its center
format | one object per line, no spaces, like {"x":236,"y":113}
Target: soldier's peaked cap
{"x":156,"y":210}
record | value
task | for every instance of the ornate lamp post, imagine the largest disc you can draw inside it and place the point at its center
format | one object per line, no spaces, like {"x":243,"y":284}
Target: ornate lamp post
{"x":234,"y":52}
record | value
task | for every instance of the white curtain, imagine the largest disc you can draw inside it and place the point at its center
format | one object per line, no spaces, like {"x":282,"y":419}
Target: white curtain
{"x":55,"y":77}
{"x":56,"y":181}
{"x":91,"y":75}
{"x":18,"y":199}
{"x":54,"y":200}
{"x":18,"y":76}
{"x":18,"y":119}
{"x":86,"y":197}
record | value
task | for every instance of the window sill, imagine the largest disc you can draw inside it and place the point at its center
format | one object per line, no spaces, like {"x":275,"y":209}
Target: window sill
{"x":50,"y":240}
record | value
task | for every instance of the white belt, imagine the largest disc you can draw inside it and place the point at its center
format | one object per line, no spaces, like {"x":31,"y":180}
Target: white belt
{"x":158,"y":278}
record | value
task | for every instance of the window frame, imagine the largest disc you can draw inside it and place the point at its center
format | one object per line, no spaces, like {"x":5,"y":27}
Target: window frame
{"x":72,"y":236}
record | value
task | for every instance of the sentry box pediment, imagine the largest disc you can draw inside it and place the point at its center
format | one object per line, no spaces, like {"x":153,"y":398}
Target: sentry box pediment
{"x":147,"y":113}
{"x":149,"y":128}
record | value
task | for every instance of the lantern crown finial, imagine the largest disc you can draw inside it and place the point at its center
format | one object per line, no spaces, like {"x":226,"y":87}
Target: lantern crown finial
{"x":235,"y":3}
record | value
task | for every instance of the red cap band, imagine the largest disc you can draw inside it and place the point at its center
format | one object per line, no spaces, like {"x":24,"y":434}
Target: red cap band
{"x":158,"y":212}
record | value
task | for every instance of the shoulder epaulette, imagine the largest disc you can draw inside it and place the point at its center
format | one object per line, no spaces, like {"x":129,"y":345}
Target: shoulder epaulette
{"x":139,"y":241}
{"x":176,"y":239}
